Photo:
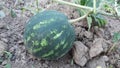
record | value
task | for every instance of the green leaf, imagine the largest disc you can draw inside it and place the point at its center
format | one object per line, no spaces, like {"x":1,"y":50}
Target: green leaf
{"x":2,"y":14}
{"x":13,"y":14}
{"x":99,"y":20}
{"x":23,"y":9}
{"x":9,"y":55}
{"x":1,"y":59}
{"x":118,"y":2}
{"x":89,"y":21}
{"x":8,"y":65}
{"x":102,"y":20}
{"x":83,"y":2}
{"x":90,"y":3}
{"x":116,"y":37}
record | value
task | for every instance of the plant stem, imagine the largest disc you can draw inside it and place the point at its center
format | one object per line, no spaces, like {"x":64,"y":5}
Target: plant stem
{"x":80,"y":18}
{"x":105,"y":13}
{"x":37,"y":5}
{"x":111,"y":48}
{"x":75,"y":5}
{"x":94,"y":6}
{"x":116,"y":7}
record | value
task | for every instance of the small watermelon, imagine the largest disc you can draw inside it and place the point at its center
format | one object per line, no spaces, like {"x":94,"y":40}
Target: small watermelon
{"x":49,"y":35}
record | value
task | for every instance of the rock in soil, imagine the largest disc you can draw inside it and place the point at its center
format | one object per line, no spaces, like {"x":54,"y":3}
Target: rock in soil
{"x":118,"y":64}
{"x":2,"y":25}
{"x":4,"y":40}
{"x":2,"y":47}
{"x":96,"y":49}
{"x":97,"y":62}
{"x":78,"y":30}
{"x":88,"y":34}
{"x":103,"y":33}
{"x":80,"y":53}
{"x":99,"y":45}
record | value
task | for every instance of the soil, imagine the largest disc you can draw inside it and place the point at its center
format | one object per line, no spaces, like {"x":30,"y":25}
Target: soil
{"x":12,"y":29}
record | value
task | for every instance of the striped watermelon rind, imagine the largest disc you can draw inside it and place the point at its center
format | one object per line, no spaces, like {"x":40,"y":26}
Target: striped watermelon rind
{"x":49,"y":35}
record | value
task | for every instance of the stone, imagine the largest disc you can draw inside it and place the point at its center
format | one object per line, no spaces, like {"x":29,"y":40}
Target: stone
{"x":2,"y":25}
{"x":45,"y":65}
{"x":105,"y":58}
{"x":99,"y":45}
{"x":118,"y":63}
{"x":79,"y":53}
{"x":4,"y":40}
{"x":88,"y":34}
{"x":97,"y":48}
{"x":105,"y":33}
{"x":78,"y":30}
{"x":97,"y":63}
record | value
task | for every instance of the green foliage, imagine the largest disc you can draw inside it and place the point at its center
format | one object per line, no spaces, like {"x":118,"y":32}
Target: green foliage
{"x":92,"y":19}
{"x":1,"y":59}
{"x":118,"y":1}
{"x":89,"y":20}
{"x":90,"y":3}
{"x":8,"y":65}
{"x":107,"y":8}
{"x":111,"y":66}
{"x":87,"y":2}
{"x":32,"y":7}
{"x":111,"y":6}
{"x":98,"y":20}
{"x":8,"y":55}
{"x":13,"y":13}
{"x":116,"y":37}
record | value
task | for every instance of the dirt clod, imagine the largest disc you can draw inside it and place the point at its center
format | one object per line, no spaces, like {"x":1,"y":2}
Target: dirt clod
{"x":97,"y":47}
{"x":88,"y":34}
{"x":97,"y":62}
{"x":80,"y":53}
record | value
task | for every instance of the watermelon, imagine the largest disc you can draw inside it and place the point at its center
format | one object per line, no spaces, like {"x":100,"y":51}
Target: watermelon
{"x":48,"y":35}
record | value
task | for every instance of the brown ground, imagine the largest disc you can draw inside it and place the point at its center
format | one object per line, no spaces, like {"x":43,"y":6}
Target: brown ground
{"x":11,"y":33}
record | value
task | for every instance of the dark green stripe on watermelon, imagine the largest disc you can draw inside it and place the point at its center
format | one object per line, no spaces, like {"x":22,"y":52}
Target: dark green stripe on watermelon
{"x":49,"y":35}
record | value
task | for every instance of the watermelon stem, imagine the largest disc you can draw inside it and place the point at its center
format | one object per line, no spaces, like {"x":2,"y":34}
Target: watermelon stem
{"x":94,"y":6}
{"x":75,"y":5}
{"x":80,"y":18}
